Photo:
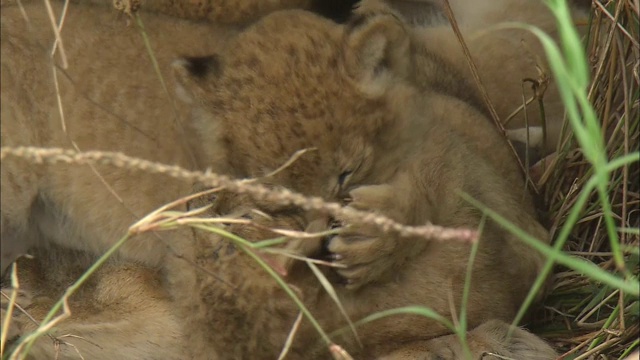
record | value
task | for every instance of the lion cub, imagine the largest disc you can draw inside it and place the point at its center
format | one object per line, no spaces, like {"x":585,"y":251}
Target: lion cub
{"x":124,"y":312}
{"x":291,"y":81}
{"x":390,"y":146}
{"x":111,"y":99}
{"x":519,"y":86}
{"x":387,"y":145}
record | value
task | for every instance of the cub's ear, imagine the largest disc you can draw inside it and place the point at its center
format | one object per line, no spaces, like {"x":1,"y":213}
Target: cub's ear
{"x":193,"y":74}
{"x":376,"y":48}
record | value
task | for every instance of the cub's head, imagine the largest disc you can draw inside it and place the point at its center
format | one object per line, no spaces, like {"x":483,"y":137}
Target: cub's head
{"x":297,"y":81}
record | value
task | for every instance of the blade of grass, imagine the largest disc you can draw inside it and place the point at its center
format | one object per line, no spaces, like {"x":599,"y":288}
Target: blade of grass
{"x":44,"y":325}
{"x":334,"y":296}
{"x":462,"y":326}
{"x":246,"y":247}
{"x":411,"y":310}
{"x":580,"y":265}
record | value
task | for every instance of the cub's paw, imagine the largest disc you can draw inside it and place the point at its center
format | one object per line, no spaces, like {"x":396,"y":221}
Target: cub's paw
{"x":366,"y":253}
{"x":493,"y":340}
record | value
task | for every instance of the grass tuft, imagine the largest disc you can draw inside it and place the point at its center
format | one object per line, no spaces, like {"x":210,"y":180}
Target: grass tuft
{"x":592,"y":187}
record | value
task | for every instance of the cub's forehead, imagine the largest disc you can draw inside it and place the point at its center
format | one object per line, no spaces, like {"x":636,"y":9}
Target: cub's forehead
{"x":286,"y":42}
{"x":286,"y":70}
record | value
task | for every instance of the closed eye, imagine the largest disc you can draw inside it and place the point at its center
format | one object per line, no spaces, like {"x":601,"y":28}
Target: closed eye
{"x":344,"y":177}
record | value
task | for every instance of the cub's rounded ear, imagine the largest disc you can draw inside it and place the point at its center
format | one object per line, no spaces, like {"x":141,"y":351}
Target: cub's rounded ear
{"x":193,"y":74}
{"x":376,"y":48}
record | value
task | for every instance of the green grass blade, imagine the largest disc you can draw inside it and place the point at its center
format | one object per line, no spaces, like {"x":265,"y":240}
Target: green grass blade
{"x":580,"y":265}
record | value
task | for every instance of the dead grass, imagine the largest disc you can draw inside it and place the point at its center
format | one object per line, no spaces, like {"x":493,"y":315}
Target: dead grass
{"x":584,"y":318}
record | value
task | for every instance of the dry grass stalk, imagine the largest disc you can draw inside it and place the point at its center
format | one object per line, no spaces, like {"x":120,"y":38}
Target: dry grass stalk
{"x":260,"y":192}
{"x":583,"y":317}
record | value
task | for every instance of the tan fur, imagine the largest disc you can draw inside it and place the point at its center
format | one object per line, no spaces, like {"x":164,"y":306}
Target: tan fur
{"x":522,"y":61}
{"x":260,"y":327}
{"x":123,"y":310}
{"x":485,"y":342}
{"x":247,"y":11}
{"x":413,"y":148}
{"x":509,"y":61}
{"x":127,"y":111}
{"x":219,"y":11}
{"x":114,"y":314}
{"x":395,"y":148}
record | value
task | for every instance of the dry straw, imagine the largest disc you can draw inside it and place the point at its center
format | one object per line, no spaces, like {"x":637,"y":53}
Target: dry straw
{"x":257,"y":191}
{"x":583,"y":317}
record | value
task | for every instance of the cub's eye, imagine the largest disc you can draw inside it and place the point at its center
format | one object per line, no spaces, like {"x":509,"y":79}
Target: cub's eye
{"x":344,"y":177}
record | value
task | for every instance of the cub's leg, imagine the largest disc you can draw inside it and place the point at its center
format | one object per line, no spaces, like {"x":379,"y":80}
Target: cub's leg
{"x":488,"y":341}
{"x":120,"y":313}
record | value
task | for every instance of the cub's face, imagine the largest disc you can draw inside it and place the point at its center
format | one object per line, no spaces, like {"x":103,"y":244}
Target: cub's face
{"x":296,"y":81}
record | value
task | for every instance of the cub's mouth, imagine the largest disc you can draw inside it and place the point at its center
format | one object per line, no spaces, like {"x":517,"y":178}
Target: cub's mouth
{"x":333,"y":224}
{"x":327,"y":255}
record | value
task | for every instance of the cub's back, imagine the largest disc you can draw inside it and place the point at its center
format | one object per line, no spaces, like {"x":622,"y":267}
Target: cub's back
{"x":111,"y":99}
{"x":110,"y":84}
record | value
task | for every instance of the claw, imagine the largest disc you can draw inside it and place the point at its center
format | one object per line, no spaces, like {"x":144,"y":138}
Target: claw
{"x":345,"y":282}
{"x":335,"y":224}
